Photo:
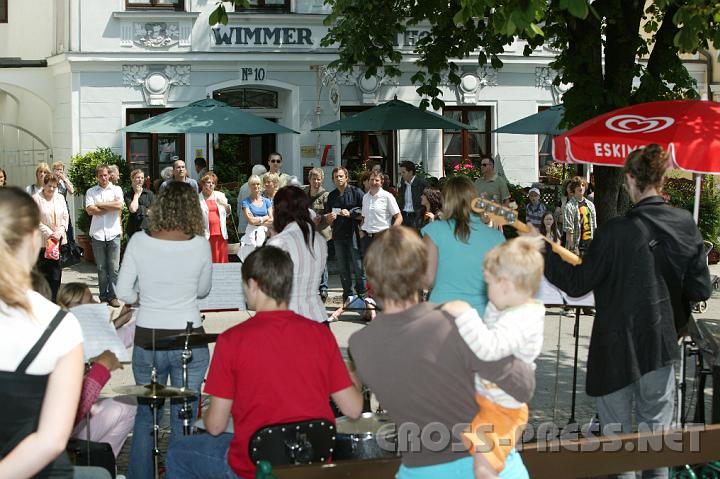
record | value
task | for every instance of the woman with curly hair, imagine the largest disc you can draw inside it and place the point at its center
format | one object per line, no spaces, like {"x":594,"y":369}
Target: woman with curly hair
{"x":167,"y":269}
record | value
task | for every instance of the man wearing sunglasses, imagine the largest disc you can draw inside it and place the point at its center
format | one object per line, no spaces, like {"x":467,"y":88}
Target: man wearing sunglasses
{"x":275,"y":161}
{"x":494,"y":187}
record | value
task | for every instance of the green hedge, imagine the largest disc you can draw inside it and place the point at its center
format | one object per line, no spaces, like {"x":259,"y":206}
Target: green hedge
{"x":682,"y":195}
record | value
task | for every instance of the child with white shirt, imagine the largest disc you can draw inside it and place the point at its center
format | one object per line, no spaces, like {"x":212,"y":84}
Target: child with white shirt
{"x":512,"y":325}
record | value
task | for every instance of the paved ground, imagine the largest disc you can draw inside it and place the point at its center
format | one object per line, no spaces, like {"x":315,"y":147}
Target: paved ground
{"x":552,"y":401}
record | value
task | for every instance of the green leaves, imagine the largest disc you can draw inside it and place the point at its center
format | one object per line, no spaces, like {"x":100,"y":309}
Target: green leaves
{"x":219,"y":15}
{"x":577,"y":8}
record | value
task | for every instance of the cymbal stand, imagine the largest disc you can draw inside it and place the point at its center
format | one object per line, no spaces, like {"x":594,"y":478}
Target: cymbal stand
{"x":186,"y":411}
{"x":155,"y":405}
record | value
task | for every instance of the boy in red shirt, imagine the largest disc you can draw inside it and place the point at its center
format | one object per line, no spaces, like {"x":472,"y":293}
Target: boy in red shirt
{"x":276,"y":367}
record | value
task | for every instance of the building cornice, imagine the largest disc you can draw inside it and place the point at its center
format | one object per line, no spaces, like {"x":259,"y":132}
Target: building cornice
{"x":163,"y":15}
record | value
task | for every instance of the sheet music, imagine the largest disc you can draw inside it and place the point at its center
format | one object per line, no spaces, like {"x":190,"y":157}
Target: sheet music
{"x":98,"y":332}
{"x":226,"y":292}
{"x":551,"y":295}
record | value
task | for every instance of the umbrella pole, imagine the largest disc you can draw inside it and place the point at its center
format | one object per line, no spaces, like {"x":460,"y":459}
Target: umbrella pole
{"x":207,"y":151}
{"x":696,"y":205}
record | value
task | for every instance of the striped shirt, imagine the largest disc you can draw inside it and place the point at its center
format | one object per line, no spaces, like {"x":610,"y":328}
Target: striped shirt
{"x":307,"y":270}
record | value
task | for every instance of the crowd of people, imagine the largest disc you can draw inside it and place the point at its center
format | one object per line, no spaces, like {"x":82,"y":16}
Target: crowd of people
{"x":464,"y":356}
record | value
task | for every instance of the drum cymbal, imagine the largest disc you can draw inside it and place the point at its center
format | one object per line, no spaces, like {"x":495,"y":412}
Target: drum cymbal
{"x":154,"y":391}
{"x":178,"y":341}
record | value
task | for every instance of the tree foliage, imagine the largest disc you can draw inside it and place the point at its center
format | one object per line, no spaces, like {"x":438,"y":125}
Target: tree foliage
{"x":599,"y":46}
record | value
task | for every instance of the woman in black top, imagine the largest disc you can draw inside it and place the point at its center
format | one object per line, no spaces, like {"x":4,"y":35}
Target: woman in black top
{"x":138,"y":200}
{"x":42,"y":362}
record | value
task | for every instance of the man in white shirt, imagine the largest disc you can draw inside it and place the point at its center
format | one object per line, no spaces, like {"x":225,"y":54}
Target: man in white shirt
{"x":180,"y":174}
{"x":275,"y":161}
{"x":411,"y":189}
{"x":104,"y":203}
{"x":379,"y":210}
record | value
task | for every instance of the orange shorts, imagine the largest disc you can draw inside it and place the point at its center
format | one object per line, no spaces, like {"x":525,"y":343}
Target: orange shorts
{"x":495,"y":430}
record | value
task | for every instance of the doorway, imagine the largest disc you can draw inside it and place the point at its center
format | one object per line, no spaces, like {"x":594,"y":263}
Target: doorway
{"x":237,"y":154}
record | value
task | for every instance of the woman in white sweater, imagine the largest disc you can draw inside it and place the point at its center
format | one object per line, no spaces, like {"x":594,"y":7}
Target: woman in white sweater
{"x":307,"y":248}
{"x":54,"y":220}
{"x":167,"y":270}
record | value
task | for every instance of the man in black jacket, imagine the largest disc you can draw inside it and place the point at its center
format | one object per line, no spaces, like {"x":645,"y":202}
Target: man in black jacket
{"x":342,"y":212}
{"x":634,"y":340}
{"x":409,"y":201}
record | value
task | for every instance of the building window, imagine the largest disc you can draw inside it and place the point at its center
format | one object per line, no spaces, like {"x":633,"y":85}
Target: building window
{"x":266,"y":5}
{"x":178,"y":5}
{"x":360,"y":150}
{"x":151,"y":152}
{"x":467,"y":144}
{"x":248,"y":98}
{"x":3,"y":11}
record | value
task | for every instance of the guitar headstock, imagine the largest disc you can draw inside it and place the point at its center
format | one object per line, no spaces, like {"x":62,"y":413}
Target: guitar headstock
{"x":498,"y":214}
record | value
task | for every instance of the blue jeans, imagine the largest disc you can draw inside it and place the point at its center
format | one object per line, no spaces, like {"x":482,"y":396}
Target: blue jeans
{"x":107,"y":259}
{"x":168,"y":363}
{"x":202,"y":456}
{"x":653,"y":399}
{"x":349,"y":261}
{"x":463,"y":469}
{"x":324,"y":280}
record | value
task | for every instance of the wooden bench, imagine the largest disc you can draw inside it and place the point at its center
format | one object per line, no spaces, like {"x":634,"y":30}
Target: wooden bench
{"x":567,"y":459}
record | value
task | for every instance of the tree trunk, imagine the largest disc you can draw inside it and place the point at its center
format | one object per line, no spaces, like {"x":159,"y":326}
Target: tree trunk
{"x":610,"y":197}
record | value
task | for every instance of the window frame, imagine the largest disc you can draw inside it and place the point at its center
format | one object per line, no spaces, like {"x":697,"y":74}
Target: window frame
{"x":364,"y":138}
{"x":241,"y":93}
{"x":4,"y":16}
{"x":262,"y":7}
{"x":152,"y":4}
{"x":486,"y":135}
{"x":153,"y":165}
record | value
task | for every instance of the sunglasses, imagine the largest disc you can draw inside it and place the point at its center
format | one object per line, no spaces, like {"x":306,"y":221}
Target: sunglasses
{"x":275,"y":161}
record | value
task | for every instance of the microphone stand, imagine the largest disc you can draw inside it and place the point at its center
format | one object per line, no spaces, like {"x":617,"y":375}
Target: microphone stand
{"x":186,"y":412}
{"x":154,"y":405}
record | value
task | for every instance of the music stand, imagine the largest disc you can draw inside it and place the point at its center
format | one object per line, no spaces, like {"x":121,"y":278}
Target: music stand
{"x":552,"y":296}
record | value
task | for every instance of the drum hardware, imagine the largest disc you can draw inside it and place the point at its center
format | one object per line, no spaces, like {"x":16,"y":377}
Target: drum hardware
{"x":186,"y":412}
{"x":300,"y":450}
{"x":706,"y":335}
{"x":155,"y":405}
{"x":293,"y":443}
{"x":372,"y":436}
{"x":154,"y":391}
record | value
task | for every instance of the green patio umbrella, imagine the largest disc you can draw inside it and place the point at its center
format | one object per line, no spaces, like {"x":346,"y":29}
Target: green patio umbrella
{"x":394,"y":115}
{"x":207,"y":116}
{"x":544,"y":122}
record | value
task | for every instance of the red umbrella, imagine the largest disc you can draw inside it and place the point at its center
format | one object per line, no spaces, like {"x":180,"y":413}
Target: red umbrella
{"x":688,"y":129}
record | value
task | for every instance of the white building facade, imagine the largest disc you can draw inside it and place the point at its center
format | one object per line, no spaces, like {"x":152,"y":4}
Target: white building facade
{"x":76,"y":71}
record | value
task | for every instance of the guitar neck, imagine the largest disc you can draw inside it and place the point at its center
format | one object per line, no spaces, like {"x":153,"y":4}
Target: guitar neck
{"x":501,"y":215}
{"x":564,"y":253}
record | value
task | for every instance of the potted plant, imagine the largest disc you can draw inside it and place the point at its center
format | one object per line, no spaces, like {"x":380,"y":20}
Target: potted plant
{"x":82,"y":174}
{"x":464,"y":168}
